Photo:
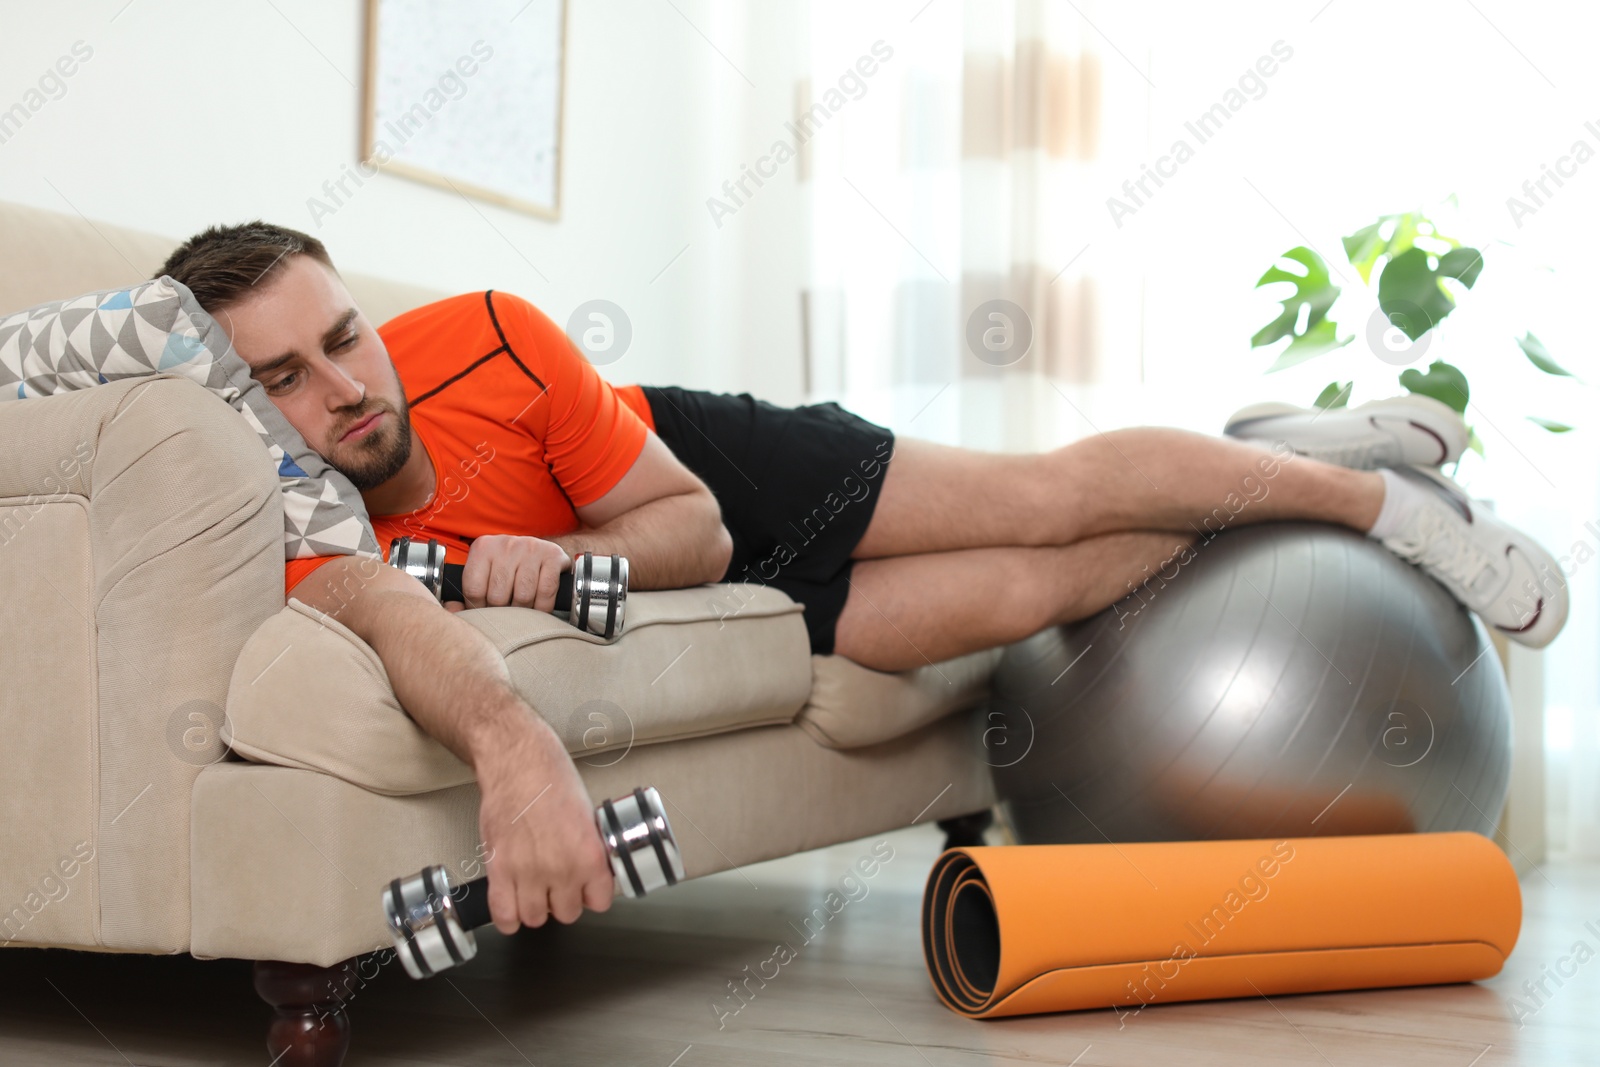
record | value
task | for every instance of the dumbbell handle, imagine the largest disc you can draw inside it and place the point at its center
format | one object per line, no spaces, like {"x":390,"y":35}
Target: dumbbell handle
{"x":593,"y":594}
{"x":472,"y":903}
{"x":472,"y":898}
{"x":452,"y":587}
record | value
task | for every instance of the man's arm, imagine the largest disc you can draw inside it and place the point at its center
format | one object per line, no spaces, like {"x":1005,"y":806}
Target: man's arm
{"x":536,"y":817}
{"x":662,"y":518}
{"x":658,"y":514}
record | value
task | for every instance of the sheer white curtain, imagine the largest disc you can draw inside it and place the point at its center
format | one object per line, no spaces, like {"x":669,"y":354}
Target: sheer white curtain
{"x":960,"y":177}
{"x":979,"y":162}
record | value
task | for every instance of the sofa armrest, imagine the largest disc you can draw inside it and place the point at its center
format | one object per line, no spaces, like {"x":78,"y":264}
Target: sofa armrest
{"x":140,"y":546}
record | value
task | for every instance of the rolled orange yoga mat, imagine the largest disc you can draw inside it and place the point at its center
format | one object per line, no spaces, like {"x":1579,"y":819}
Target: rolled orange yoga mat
{"x":1017,"y":929}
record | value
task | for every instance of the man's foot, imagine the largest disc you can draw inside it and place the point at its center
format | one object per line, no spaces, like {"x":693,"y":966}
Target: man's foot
{"x":1496,"y":570}
{"x":1396,"y":432}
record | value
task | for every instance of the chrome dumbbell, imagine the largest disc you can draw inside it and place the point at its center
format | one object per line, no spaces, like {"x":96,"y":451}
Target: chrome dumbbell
{"x":593,"y":595}
{"x":432,"y":921}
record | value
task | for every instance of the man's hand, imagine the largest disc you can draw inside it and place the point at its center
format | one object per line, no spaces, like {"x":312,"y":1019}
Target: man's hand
{"x":504,"y":570}
{"x":536,"y":819}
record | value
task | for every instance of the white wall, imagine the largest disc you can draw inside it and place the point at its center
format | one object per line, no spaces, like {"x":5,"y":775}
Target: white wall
{"x":190,"y":113}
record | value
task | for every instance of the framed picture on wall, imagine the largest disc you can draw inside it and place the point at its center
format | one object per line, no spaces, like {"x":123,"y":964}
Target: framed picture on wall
{"x":468,"y":97}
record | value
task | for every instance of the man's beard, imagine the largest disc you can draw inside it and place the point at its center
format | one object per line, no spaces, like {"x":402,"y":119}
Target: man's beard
{"x":381,"y":454}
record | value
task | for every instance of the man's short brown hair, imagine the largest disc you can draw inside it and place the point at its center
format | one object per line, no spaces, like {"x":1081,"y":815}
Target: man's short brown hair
{"x":222,"y":264}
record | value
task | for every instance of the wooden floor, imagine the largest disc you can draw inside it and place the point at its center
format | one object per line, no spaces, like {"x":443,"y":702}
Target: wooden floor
{"x":640,"y":985}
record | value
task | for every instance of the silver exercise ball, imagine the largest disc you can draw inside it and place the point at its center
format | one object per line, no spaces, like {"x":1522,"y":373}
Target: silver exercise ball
{"x":1288,"y":679}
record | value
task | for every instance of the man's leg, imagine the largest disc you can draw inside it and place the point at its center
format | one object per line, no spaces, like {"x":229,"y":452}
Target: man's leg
{"x":936,"y":498}
{"x":905,"y":611}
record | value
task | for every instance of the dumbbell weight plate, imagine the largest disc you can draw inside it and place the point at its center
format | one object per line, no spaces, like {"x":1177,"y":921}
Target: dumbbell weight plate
{"x":423,"y":560}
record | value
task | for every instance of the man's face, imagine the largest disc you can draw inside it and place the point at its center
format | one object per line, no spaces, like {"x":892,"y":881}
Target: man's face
{"x":325,"y":368}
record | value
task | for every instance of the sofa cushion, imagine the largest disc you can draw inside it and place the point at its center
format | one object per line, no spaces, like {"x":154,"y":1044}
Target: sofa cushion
{"x":852,"y":706}
{"x":681,"y":669}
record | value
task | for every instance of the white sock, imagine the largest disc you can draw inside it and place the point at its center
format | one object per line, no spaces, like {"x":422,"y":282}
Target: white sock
{"x":1401,"y":498}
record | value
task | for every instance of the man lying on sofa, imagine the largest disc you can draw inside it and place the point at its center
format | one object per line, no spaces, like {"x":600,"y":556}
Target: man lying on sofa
{"x":473,"y":420}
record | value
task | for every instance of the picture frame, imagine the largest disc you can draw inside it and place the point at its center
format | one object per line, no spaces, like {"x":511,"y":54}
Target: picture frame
{"x":468,"y":97}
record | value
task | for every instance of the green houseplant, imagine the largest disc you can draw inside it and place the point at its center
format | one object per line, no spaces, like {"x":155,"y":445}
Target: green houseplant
{"x":1419,"y":273}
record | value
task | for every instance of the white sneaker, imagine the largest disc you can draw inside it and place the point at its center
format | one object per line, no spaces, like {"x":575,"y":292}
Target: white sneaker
{"x":1493,"y":568}
{"x":1397,"y":432}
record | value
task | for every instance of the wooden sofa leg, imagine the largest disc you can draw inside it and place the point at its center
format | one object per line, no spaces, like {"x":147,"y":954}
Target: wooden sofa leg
{"x":964,"y":831}
{"x":309,"y":1026}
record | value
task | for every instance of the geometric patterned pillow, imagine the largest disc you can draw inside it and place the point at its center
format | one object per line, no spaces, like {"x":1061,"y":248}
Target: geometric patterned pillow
{"x":159,"y":326}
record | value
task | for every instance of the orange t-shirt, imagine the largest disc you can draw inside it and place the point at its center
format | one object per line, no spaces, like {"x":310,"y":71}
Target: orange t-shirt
{"x":633,"y":396}
{"x":520,"y":427}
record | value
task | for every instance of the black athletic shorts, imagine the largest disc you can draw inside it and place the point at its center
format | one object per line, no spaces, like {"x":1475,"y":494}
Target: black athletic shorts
{"x":797,"y":487}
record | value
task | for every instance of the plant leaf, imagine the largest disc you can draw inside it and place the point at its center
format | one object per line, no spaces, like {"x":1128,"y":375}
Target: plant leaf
{"x":1474,"y":442}
{"x":1314,"y":293}
{"x":1548,"y":424}
{"x":1442,"y":382}
{"x":1539,"y":356}
{"x":1411,"y":290}
{"x":1314,"y":342}
{"x":1462,"y":264}
{"x":1366,"y":245}
{"x":1336,"y":395}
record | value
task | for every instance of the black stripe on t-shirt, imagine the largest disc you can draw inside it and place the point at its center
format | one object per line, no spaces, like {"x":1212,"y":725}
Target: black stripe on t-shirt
{"x":488,"y":298}
{"x":505,"y":346}
{"x":480,"y":361}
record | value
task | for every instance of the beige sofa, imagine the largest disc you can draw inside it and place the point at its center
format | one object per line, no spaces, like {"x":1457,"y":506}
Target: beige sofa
{"x":144,"y":595}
